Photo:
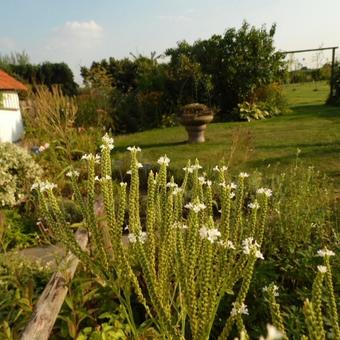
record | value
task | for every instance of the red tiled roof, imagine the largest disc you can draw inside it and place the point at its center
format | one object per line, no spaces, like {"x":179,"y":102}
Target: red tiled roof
{"x":9,"y":83}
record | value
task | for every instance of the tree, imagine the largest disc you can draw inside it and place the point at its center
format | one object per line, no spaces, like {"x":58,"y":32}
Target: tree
{"x":238,"y":62}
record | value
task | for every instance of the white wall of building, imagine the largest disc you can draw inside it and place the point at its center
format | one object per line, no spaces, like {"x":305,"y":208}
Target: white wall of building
{"x":11,"y":125}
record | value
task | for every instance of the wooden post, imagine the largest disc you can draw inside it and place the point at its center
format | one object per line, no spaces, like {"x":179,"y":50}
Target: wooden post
{"x":332,"y":74}
{"x":53,"y":296}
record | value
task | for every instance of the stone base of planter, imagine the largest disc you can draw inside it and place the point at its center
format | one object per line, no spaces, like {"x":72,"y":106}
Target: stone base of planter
{"x":196,"y":133}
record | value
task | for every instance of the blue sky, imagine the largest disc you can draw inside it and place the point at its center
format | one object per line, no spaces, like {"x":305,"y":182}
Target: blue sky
{"x":80,"y":31}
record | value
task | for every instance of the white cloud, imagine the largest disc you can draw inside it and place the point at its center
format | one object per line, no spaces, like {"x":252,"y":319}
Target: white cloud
{"x":76,"y":35}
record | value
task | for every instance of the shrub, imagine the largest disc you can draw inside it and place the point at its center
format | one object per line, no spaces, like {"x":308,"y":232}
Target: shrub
{"x":18,"y":171}
{"x":50,"y":113}
{"x":189,"y":256}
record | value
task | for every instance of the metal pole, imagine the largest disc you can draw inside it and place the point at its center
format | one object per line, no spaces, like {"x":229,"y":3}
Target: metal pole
{"x":332,"y":74}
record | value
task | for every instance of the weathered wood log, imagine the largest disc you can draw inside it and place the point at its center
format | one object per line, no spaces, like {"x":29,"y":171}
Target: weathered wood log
{"x":49,"y":303}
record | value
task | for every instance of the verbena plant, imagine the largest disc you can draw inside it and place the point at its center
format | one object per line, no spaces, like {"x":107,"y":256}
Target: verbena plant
{"x":321,"y":306}
{"x":190,"y":255}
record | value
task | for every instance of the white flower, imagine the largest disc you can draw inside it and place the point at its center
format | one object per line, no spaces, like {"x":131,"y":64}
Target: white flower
{"x":222,"y":184}
{"x":164,"y":160}
{"x":123,"y":184}
{"x":139,"y":165}
{"x":239,"y":309}
{"x":202,"y":180}
{"x":44,"y":186}
{"x":322,"y":269}
{"x":86,"y":157}
{"x":210,"y":234}
{"x":34,"y":186}
{"x":129,"y":172}
{"x":232,"y":195}
{"x":209,"y":183}
{"x":96,"y":178}
{"x":264,"y":191}
{"x":243,"y":175}
{"x":90,"y":156}
{"x":189,"y":169}
{"x":72,"y":173}
{"x":108,"y":142}
{"x":325,"y":252}
{"x":274,"y":288}
{"x":272,"y":334}
{"x":196,"y":207}
{"x":171,"y":185}
{"x":203,"y":232}
{"x":220,"y":169}
{"x":227,"y":244}
{"x":259,"y":255}
{"x":249,"y":244}
{"x":141,"y":237}
{"x":134,"y":149}
{"x":177,"y":191}
{"x":132,"y":238}
{"x":107,"y":178}
{"x":196,"y":167}
{"x":253,"y":205}
{"x":231,"y":186}
{"x":180,"y":225}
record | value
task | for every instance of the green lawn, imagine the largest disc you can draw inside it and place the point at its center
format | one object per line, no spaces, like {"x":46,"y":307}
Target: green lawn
{"x":312,"y":127}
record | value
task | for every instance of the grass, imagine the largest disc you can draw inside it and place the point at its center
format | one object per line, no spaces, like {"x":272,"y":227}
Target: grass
{"x":311,"y":126}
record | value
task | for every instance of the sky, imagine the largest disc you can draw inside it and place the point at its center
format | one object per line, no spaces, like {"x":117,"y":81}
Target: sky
{"x":81,"y":31}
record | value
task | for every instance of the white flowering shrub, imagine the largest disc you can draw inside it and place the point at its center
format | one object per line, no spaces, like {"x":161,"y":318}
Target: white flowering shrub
{"x":183,"y":254}
{"x":18,"y":171}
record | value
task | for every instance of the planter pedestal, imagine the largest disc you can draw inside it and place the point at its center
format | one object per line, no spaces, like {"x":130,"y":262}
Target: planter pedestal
{"x":196,"y":133}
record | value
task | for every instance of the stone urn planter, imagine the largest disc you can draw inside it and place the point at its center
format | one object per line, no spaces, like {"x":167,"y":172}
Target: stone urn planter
{"x":195,"y":118}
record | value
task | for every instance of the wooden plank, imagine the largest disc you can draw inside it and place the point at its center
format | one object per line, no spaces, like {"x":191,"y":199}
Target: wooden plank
{"x":53,"y":296}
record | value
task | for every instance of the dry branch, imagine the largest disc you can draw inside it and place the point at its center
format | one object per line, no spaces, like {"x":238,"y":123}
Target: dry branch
{"x":53,"y":296}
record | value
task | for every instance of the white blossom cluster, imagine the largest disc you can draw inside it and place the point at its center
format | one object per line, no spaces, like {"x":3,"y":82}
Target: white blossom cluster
{"x":322,"y":269}
{"x":90,"y":156}
{"x":192,"y":168}
{"x":325,"y":252}
{"x":220,"y":169}
{"x":72,"y":174}
{"x":264,"y":191}
{"x":203,"y":181}
{"x":179,"y":225}
{"x":210,"y":234}
{"x":141,"y":237}
{"x":274,"y":287}
{"x":227,"y":244}
{"x":249,"y":245}
{"x":43,"y":186}
{"x":243,"y":175}
{"x":106,"y":178}
{"x":196,"y":207}
{"x":108,"y":142}
{"x":254,"y":205}
{"x":272,"y":334}
{"x":164,"y":160}
{"x":242,"y":309}
{"x":134,"y":149}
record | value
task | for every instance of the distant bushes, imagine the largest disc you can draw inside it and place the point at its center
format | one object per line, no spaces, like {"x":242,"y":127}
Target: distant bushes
{"x":221,"y":72}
